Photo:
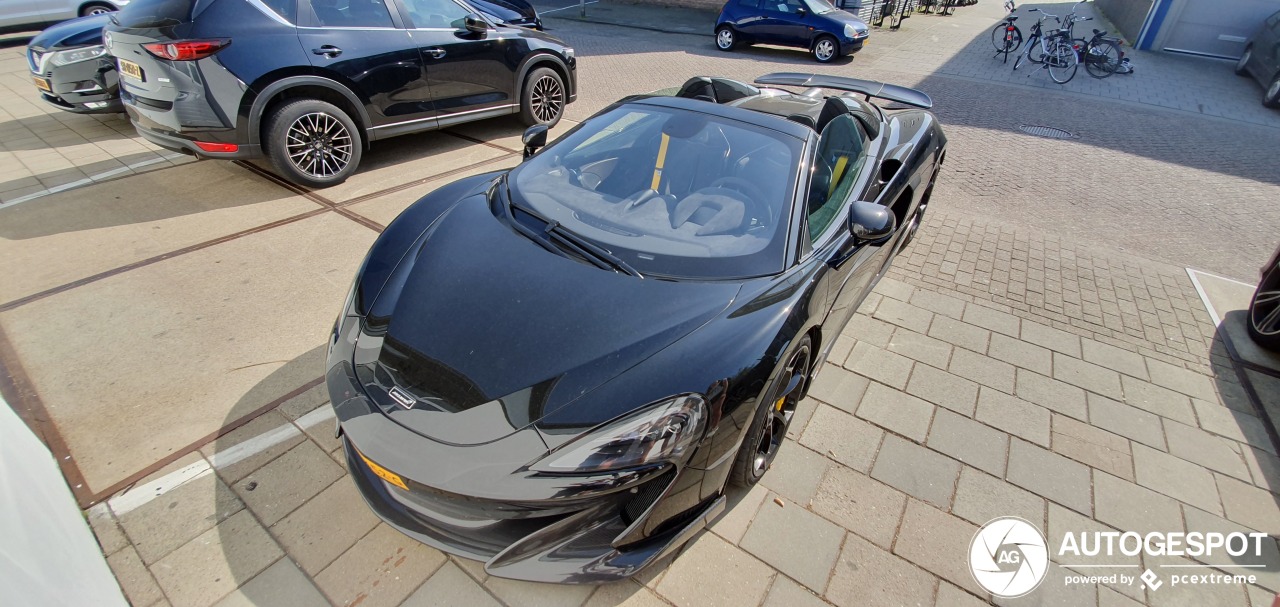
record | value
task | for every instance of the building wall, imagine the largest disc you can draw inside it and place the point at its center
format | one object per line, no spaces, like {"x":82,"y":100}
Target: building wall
{"x":1127,"y":15}
{"x":1218,"y":28}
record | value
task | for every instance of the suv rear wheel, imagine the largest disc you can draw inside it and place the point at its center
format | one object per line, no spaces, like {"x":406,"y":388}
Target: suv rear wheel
{"x":313,"y":143}
{"x":543,"y":99}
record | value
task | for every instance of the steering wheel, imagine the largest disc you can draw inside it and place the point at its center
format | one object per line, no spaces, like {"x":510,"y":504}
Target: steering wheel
{"x":755,"y":196}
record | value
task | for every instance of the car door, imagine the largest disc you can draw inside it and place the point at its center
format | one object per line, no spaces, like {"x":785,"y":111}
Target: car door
{"x":786,"y":22}
{"x":840,"y":175}
{"x":469,"y":73}
{"x":16,"y":13}
{"x":363,"y":45}
{"x":1270,"y":48}
{"x":750,"y":19}
{"x":59,"y":10}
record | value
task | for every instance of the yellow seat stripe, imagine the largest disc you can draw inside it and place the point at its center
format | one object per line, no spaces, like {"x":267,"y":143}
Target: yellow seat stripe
{"x":662,"y":159}
{"x":836,"y":173}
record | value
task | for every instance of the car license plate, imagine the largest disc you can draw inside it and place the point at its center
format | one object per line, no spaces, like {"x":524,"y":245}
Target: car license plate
{"x":131,"y":69}
{"x":383,"y":473}
{"x":43,"y":84}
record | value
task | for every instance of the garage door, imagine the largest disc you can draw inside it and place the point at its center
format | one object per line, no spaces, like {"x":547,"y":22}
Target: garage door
{"x":1213,"y":27}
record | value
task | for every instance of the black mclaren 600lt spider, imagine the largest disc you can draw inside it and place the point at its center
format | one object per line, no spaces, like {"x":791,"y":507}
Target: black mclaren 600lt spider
{"x":559,"y":368}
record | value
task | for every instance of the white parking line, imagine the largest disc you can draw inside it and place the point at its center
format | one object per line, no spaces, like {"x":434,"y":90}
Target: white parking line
{"x":88,"y":180}
{"x":564,"y":7}
{"x":1204,"y":297}
{"x":140,"y":495}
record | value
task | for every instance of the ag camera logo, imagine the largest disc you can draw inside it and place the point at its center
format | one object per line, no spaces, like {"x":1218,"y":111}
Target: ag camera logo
{"x":1008,"y":557}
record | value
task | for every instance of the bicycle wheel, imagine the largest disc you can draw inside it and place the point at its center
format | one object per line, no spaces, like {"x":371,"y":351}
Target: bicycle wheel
{"x":1102,"y":59}
{"x":1006,"y":38}
{"x":1062,"y":62}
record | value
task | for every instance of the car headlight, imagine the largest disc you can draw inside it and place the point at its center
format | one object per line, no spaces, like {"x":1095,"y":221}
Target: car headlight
{"x":79,"y":54}
{"x":568,"y":53}
{"x":850,"y":31}
{"x":665,"y":431}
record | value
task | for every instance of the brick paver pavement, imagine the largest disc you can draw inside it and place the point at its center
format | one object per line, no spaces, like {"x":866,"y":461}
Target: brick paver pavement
{"x":986,"y":410}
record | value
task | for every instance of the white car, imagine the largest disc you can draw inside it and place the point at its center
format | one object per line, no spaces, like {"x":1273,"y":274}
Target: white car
{"x":31,"y":15}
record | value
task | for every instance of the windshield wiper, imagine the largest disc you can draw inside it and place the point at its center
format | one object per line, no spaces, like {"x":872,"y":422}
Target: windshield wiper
{"x":584,"y":248}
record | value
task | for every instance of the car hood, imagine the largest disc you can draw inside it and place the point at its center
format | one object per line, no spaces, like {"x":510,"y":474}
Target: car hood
{"x":490,"y":332}
{"x":845,"y":17}
{"x":85,"y":31}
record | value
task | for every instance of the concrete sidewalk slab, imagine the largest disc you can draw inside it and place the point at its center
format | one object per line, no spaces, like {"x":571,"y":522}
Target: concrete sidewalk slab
{"x":404,"y":159}
{"x":383,"y":209}
{"x":506,"y":132}
{"x":72,"y":235}
{"x":135,"y":367}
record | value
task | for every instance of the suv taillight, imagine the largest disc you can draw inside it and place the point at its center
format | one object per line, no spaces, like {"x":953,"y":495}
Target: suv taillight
{"x":186,"y":50}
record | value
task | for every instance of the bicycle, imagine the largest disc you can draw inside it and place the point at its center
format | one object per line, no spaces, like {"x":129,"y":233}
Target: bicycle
{"x":1101,"y":56}
{"x":1057,"y":53}
{"x":1006,"y":37}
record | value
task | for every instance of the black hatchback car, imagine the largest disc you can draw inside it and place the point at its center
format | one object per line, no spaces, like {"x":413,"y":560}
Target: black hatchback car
{"x":309,"y":83}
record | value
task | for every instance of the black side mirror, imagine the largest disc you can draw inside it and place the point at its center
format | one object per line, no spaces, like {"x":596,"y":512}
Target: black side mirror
{"x":474,"y":24}
{"x":535,"y":137}
{"x":801,"y":11}
{"x":871,"y":223}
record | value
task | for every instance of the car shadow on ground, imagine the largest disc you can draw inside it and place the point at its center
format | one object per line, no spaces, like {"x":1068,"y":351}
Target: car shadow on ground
{"x":1110,"y":126}
{"x":1250,"y":409}
{"x":145,"y":198}
{"x":285,"y":495}
{"x":244,"y":548}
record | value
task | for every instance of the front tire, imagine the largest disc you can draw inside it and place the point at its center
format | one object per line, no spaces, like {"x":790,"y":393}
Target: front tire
{"x":1242,"y":64}
{"x":1264,"y":311}
{"x":313,"y":143}
{"x":96,"y":9}
{"x":769,"y":426}
{"x":543,"y":99}
{"x":1271,"y":97}
{"x":825,"y":49}
{"x":726,"y":38}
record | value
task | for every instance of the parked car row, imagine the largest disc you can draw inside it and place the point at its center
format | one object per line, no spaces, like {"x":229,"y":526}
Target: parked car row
{"x":307,"y":83}
{"x":27,"y":15}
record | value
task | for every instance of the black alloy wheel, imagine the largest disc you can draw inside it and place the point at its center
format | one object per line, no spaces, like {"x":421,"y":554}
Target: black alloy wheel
{"x":543,"y":98}
{"x":1242,"y":64}
{"x":1264,"y":311}
{"x":313,"y":143}
{"x":1271,"y":97}
{"x":769,"y":428}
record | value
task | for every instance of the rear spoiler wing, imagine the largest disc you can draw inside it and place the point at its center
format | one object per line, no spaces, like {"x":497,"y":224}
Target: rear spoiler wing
{"x":870,"y":88}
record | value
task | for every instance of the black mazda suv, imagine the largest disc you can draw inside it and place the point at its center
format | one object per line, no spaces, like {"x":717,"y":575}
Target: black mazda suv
{"x":310,"y":83}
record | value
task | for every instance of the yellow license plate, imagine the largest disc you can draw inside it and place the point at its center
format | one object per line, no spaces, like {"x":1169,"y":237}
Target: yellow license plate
{"x":43,"y":85}
{"x":383,"y":473}
{"x":131,"y":69}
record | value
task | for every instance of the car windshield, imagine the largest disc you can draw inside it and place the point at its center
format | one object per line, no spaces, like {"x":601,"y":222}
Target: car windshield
{"x":820,"y":7}
{"x":671,"y":192}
